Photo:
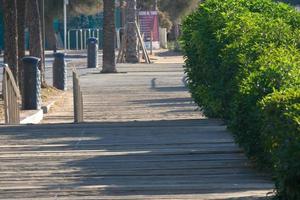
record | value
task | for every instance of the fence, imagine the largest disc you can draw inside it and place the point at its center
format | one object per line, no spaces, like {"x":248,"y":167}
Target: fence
{"x":77,"y":38}
{"x":11,"y":97}
{"x":78,"y":99}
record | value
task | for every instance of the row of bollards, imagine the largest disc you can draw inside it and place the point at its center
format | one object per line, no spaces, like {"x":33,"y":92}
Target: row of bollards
{"x":32,"y":76}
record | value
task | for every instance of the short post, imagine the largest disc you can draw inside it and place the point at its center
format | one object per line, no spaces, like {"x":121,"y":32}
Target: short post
{"x":60,"y":72}
{"x":84,"y":39}
{"x":81,"y":40}
{"x":92,"y":52}
{"x":32,"y":83}
{"x":77,"y":36}
{"x":69,"y":41}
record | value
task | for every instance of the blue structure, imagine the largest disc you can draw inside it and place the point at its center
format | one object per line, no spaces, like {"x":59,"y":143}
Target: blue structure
{"x":91,"y":22}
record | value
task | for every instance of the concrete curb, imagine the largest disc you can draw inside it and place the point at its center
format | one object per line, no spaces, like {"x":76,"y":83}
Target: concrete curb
{"x":36,"y":116}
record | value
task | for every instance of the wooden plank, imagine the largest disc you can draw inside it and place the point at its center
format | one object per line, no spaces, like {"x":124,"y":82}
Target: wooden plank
{"x":81,"y":107}
{"x":147,"y":59}
{"x":209,"y":196}
{"x":12,"y":81}
{"x":77,"y":99}
{"x":11,"y":96}
{"x":128,"y":188}
{"x":5,"y":97}
{"x":75,"y":94}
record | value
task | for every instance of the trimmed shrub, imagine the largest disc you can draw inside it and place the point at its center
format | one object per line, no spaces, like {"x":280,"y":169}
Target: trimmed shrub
{"x":276,"y":69}
{"x":281,"y":136}
{"x":237,"y":53}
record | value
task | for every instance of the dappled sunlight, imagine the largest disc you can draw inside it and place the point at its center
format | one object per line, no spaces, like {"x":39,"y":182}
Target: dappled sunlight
{"x":183,"y":158}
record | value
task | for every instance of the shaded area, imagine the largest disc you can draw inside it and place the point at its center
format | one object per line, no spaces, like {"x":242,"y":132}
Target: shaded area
{"x":169,"y":53}
{"x":180,"y":159}
{"x":168,"y":89}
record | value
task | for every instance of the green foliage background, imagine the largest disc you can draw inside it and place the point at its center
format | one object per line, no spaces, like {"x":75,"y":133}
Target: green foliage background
{"x":238,"y":53}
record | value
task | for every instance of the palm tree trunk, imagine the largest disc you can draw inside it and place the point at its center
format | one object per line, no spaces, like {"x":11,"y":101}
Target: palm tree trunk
{"x":42,"y":20}
{"x":11,"y":36}
{"x":50,"y":33}
{"x":109,"y":35}
{"x":132,"y":45}
{"x":35,"y":35}
{"x":21,"y":6}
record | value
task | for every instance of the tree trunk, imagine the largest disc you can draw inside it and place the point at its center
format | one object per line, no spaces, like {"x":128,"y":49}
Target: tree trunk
{"x":177,"y":35}
{"x":42,"y":20}
{"x":50,"y":33}
{"x":11,"y":35}
{"x":35,"y":35}
{"x":109,"y":35}
{"x":132,"y":45}
{"x":123,"y":12}
{"x":21,"y":6}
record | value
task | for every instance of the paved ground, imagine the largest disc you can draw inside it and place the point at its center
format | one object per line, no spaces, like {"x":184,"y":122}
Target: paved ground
{"x":145,"y":140}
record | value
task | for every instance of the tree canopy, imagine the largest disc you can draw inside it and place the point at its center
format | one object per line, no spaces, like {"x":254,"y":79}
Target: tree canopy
{"x":54,"y":8}
{"x":175,"y":9}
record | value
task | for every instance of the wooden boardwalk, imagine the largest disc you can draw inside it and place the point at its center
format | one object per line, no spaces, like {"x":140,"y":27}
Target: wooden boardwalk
{"x":144,"y":140}
{"x":187,"y":159}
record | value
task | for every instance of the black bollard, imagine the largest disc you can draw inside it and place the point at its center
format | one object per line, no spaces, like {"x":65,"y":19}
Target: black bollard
{"x":92,"y":52}
{"x":60,"y":72}
{"x":32,"y":83}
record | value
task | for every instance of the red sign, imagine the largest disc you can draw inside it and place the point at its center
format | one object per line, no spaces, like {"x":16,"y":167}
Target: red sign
{"x":149,"y":23}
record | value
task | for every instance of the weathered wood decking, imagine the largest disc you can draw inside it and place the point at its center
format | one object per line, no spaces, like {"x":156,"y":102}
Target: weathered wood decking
{"x":171,"y":152}
{"x":139,"y":160}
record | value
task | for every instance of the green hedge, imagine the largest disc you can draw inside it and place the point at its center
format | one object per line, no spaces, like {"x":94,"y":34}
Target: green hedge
{"x":280,"y":133}
{"x":237,"y":53}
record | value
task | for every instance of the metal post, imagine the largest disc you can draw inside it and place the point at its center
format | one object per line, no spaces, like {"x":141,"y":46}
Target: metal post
{"x":118,"y":39}
{"x":89,"y":33}
{"x":69,"y":40}
{"x":84,"y":39}
{"x":81,"y":39}
{"x":77,"y":39}
{"x":66,"y":2}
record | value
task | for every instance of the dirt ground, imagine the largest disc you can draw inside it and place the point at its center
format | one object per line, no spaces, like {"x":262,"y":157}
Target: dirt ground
{"x":49,"y":92}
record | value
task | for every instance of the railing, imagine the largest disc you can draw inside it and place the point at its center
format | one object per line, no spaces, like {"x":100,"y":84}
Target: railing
{"x":77,"y":38}
{"x":11,"y":97}
{"x":77,"y":99}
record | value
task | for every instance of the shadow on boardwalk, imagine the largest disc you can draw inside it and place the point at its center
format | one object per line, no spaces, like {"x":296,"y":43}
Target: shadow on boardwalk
{"x":180,"y":159}
{"x":179,"y":155}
